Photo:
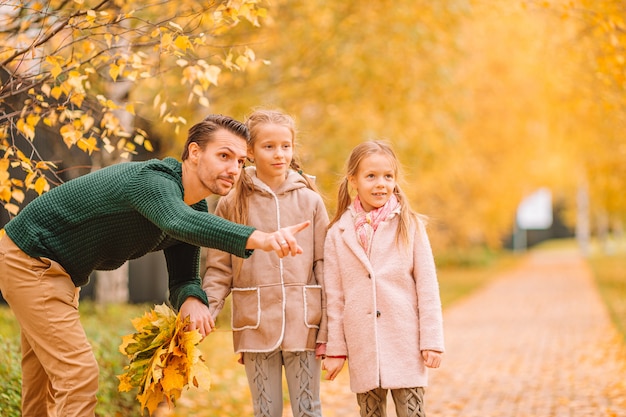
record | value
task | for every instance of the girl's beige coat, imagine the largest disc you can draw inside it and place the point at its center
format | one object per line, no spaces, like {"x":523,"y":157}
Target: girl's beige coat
{"x":276,"y":303}
{"x":382,"y":310}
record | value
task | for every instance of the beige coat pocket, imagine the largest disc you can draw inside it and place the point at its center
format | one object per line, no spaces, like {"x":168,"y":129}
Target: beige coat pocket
{"x":312,"y":305}
{"x":246,"y":308}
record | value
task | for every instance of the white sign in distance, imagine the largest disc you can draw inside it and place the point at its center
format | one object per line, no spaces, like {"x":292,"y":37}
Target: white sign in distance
{"x":535,"y":211}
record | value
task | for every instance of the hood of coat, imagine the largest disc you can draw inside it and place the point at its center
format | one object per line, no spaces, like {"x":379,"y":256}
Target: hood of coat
{"x":293,"y":181}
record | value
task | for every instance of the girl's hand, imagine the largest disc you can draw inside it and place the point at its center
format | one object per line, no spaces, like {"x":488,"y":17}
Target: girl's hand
{"x":432,"y":359}
{"x":332,"y":366}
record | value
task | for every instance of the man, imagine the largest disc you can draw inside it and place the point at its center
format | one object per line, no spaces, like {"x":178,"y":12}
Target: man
{"x":101,"y":220}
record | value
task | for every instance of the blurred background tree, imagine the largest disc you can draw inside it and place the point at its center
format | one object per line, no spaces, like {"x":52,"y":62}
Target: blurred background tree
{"x":484,"y":101}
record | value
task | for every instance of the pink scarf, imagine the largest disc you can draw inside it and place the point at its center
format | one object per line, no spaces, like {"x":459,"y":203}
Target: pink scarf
{"x":366,"y":223}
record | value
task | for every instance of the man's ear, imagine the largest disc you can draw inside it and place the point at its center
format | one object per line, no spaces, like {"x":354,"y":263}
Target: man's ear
{"x":194,"y":152}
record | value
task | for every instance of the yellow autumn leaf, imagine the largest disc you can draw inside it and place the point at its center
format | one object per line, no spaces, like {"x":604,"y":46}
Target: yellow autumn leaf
{"x":45,"y":88}
{"x":41,"y":185}
{"x":12,"y":208}
{"x":77,"y":99}
{"x":151,"y":399}
{"x":172,"y":379}
{"x":56,"y":70}
{"x":114,"y":71}
{"x":242,"y":62}
{"x":125,"y":383}
{"x":126,"y":341}
{"x":5,"y":193}
{"x":32,"y":120}
{"x":183,"y":43}
{"x":108,"y":37}
{"x":27,"y":130}
{"x":87,"y":145}
{"x":18,"y":195}
{"x":166,"y":40}
{"x":201,"y":376}
{"x":212,"y":73}
{"x":176,"y":26}
{"x":56,"y":92}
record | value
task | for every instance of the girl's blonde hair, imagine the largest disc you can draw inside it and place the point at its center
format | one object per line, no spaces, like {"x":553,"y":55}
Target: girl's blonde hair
{"x":344,"y":200}
{"x":245,"y":187}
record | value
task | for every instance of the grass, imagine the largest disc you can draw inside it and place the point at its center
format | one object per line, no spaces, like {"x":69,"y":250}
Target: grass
{"x":459,"y":279}
{"x":608,"y":269}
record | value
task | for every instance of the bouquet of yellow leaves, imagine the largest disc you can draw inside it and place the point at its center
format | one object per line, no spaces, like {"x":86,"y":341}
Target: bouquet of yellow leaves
{"x":164,"y":358}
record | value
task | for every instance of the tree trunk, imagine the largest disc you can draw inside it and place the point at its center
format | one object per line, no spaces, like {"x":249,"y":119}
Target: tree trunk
{"x":583,"y":229}
{"x":112,"y":286}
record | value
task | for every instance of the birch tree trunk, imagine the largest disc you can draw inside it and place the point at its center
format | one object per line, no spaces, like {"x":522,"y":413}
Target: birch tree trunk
{"x":583,"y":227}
{"x":112,"y":286}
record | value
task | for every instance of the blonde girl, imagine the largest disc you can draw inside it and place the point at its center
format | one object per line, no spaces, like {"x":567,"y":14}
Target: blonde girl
{"x":278,"y":306}
{"x":384,"y":309}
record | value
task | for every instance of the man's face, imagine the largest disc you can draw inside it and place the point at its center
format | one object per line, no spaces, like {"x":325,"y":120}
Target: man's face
{"x":219,"y":165}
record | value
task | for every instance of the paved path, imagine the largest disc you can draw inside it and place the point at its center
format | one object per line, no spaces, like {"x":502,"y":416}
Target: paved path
{"x":536,"y":342}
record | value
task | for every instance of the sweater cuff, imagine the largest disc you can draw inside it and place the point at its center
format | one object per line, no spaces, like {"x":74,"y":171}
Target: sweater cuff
{"x":186,"y":292}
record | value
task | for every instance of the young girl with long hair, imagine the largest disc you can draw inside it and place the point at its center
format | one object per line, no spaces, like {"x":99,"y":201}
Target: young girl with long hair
{"x":384,"y":308}
{"x":278,"y":305}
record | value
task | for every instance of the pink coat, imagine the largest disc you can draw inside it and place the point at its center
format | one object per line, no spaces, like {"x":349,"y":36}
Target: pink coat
{"x":383,"y":310}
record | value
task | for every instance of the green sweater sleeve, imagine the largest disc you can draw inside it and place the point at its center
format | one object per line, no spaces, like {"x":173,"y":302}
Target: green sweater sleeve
{"x":183,"y":266}
{"x":158,"y":196}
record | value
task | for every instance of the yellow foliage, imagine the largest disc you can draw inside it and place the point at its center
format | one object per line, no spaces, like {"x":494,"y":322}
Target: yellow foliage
{"x":164,"y":358}
{"x":57,"y":71}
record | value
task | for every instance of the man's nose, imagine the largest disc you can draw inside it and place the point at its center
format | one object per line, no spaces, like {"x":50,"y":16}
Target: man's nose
{"x":234,"y":167}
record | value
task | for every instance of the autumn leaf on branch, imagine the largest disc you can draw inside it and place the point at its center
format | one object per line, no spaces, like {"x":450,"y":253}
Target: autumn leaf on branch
{"x":164,"y":358}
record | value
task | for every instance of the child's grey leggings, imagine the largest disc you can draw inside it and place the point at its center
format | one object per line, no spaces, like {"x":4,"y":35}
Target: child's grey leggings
{"x":302,"y":372}
{"x":409,"y":402}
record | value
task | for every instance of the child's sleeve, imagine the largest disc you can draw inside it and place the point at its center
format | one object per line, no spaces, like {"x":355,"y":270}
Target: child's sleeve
{"x":321,"y":224}
{"x":428,"y":297}
{"x":333,"y":288}
{"x":218,"y":277}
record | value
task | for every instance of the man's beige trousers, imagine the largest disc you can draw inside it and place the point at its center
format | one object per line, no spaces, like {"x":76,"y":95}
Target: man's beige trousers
{"x":59,"y":370}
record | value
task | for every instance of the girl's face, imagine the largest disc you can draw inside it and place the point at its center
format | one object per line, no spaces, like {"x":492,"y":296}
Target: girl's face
{"x":374,"y":181}
{"x":272,"y":153}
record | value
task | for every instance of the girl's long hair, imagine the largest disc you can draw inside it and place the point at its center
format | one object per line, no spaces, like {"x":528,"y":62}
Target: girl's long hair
{"x":245,"y":188}
{"x":344,"y":200}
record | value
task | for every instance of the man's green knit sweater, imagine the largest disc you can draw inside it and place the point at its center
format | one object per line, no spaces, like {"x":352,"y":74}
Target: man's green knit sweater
{"x":102,"y":219}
